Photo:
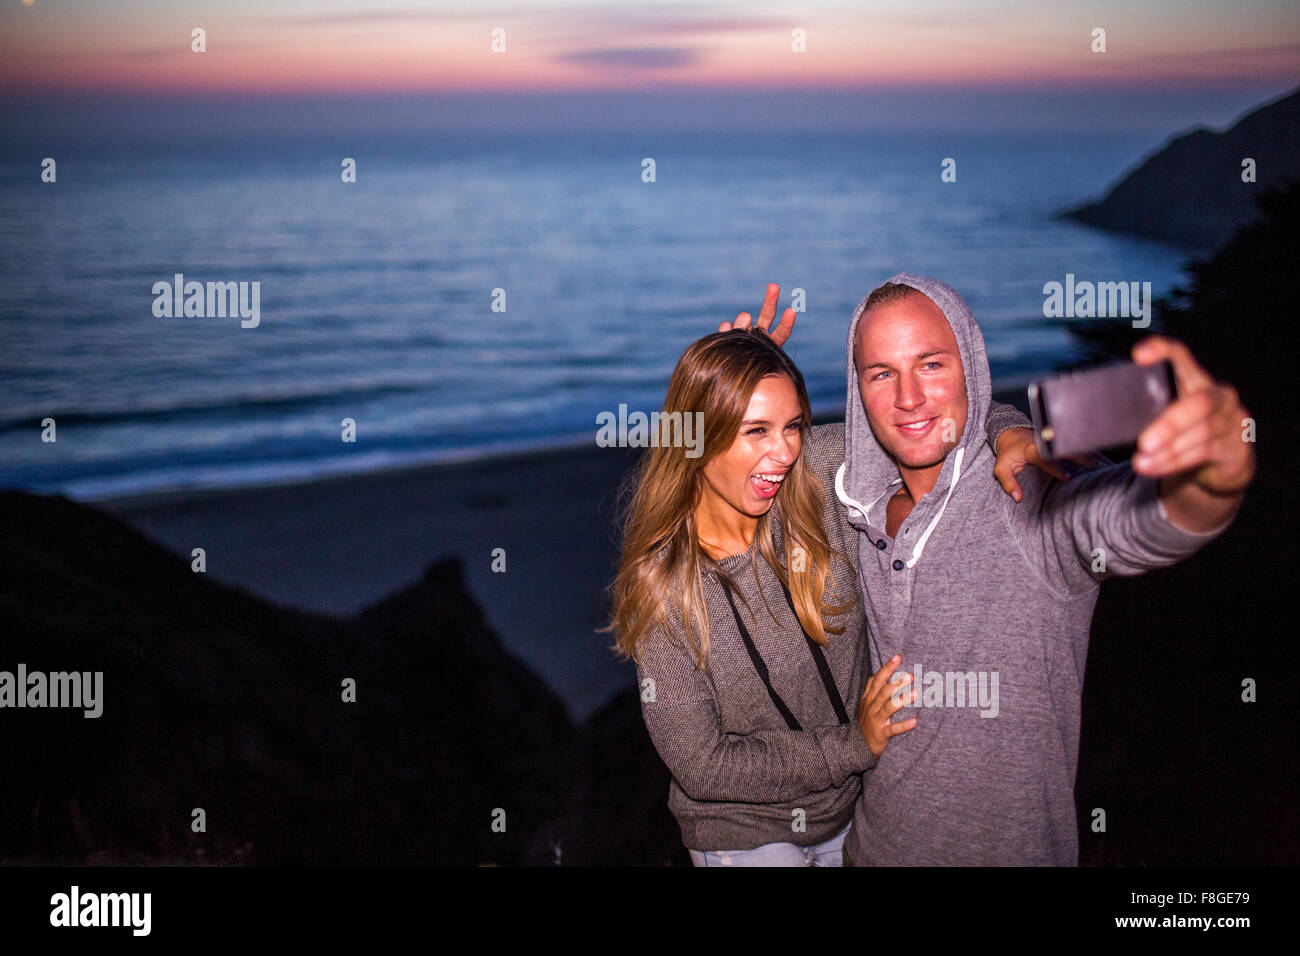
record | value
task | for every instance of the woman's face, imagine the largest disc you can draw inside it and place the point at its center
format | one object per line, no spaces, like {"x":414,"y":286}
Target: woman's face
{"x":748,"y":475}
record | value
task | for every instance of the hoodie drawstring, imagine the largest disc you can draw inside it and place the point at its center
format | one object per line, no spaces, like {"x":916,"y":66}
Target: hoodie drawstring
{"x":956,"y":476}
{"x":845,"y":499}
{"x":843,"y":495}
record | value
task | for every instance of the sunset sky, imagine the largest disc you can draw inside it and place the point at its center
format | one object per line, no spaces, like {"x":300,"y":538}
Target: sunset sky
{"x":1175,"y":49}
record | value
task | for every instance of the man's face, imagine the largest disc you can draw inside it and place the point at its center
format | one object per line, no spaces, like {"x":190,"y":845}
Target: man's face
{"x":911,"y":380}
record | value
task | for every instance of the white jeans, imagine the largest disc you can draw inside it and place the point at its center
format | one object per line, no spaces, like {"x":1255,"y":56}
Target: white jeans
{"x":827,"y":853}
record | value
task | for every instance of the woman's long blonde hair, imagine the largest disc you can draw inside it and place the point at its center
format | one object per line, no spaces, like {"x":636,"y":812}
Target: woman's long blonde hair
{"x":659,"y":573}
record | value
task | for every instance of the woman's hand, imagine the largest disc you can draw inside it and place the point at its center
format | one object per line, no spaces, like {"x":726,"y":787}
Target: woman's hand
{"x":878,"y":704}
{"x":1016,"y":449}
{"x":765,"y":316}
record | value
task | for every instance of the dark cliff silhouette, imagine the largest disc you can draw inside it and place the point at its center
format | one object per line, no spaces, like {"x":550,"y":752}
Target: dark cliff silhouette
{"x":1190,"y":192}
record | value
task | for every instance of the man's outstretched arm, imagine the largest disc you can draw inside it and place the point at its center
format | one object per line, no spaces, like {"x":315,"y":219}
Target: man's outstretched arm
{"x":1176,"y":495}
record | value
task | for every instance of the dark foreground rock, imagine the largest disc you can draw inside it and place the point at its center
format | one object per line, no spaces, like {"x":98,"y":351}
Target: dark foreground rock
{"x":616,"y":813}
{"x":217,"y":700}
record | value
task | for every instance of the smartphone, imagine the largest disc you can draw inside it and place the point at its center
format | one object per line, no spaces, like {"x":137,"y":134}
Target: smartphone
{"x":1099,"y":407}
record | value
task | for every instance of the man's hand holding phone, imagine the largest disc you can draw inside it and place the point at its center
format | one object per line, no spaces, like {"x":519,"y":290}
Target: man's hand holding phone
{"x":1197,"y":445}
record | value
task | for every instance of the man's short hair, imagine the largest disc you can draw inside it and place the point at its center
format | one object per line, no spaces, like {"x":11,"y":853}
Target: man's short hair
{"x":889,"y":292}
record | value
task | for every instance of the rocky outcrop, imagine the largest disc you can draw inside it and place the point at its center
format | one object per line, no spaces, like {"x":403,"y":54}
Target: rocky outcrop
{"x":616,"y":812}
{"x":1190,"y":193}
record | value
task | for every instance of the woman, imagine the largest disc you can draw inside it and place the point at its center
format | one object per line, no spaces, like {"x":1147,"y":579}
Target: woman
{"x":737,"y":597}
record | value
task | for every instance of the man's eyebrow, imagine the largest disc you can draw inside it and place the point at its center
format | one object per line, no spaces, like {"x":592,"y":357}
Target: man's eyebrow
{"x":923,"y":355}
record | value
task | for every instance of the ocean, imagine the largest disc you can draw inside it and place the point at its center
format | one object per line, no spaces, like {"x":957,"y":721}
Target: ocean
{"x":376,"y":297}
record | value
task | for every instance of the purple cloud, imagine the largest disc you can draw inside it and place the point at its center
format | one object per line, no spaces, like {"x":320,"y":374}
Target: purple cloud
{"x":643,"y":58}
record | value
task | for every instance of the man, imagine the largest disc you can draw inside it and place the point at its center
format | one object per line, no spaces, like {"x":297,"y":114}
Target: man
{"x":986,"y":602}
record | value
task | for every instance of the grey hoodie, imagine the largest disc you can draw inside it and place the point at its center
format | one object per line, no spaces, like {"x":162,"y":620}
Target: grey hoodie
{"x":990,"y":603}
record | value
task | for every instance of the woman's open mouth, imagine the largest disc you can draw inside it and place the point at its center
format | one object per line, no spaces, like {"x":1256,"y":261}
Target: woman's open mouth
{"x":765,"y":483}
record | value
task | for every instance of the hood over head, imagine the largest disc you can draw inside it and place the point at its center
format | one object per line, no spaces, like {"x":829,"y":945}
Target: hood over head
{"x":868,"y":472}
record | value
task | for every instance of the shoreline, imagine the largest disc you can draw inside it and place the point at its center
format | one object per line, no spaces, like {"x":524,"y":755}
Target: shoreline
{"x":1006,"y":388}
